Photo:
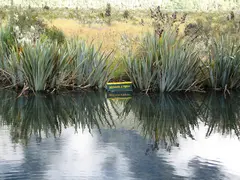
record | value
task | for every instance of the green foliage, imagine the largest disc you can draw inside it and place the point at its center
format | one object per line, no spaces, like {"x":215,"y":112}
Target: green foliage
{"x":108,"y":10}
{"x":26,"y":19}
{"x":8,"y":63}
{"x":48,"y":65}
{"x":126,"y":14}
{"x":7,"y":38}
{"x":38,"y":65}
{"x":169,"y":62}
{"x":54,"y":34}
{"x":224,"y":63}
{"x":179,"y":64}
{"x":141,"y":72}
{"x":90,"y":66}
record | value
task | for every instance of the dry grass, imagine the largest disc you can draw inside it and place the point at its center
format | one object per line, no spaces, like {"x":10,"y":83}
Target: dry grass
{"x":109,"y":36}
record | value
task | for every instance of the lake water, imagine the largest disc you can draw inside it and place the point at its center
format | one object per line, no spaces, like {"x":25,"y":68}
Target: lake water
{"x":87,"y":136}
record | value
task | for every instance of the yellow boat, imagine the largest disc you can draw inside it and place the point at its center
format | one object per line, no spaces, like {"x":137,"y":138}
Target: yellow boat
{"x":119,"y":86}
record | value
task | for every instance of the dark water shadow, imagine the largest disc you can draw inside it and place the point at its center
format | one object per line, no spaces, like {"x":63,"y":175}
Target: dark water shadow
{"x":49,"y":114}
{"x":162,"y":118}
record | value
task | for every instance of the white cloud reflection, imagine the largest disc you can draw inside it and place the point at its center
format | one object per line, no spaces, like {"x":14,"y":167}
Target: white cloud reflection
{"x":81,"y":156}
{"x":215,"y":150}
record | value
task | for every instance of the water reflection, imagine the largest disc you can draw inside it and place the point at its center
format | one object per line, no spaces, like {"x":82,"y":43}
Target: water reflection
{"x":48,"y":115}
{"x":221,"y":114}
{"x":164,"y":117}
{"x":167,"y":136}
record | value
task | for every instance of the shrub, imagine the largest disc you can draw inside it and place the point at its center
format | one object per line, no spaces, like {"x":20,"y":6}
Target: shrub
{"x":141,"y":72}
{"x":179,"y":65}
{"x":26,"y":19}
{"x":55,"y":34}
{"x":108,"y":10}
{"x":7,"y":38}
{"x":46,"y":7}
{"x":163,"y":21}
{"x":126,"y":14}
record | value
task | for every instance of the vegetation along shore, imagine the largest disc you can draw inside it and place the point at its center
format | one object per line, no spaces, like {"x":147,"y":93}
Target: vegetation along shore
{"x":51,"y":49}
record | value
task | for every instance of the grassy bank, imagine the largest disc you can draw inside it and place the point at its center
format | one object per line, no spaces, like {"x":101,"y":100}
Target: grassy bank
{"x":182,"y":52}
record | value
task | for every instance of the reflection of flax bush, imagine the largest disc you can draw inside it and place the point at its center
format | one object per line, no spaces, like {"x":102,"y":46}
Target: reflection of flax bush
{"x":222,"y":114}
{"x":41,"y":116}
{"x":165,"y":116}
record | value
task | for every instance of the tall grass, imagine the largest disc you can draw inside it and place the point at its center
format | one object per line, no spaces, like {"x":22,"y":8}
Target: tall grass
{"x":91,"y":67}
{"x":223,"y":64}
{"x":179,"y":64}
{"x":49,"y":65}
{"x":9,"y":72}
{"x":38,"y":65}
{"x":167,"y":63}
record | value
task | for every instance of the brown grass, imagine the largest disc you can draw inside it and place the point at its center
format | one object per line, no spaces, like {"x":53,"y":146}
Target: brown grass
{"x":109,"y":36}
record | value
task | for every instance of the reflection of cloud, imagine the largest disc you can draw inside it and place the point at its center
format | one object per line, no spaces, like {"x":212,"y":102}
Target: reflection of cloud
{"x":81,"y":155}
{"x":9,"y":151}
{"x":77,"y":155}
{"x":215,"y":150}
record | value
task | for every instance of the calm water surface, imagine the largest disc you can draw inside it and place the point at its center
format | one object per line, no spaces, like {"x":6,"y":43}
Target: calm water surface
{"x":91,"y":137}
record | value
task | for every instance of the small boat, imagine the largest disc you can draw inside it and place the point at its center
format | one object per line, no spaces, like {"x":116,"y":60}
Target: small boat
{"x":119,"y":86}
